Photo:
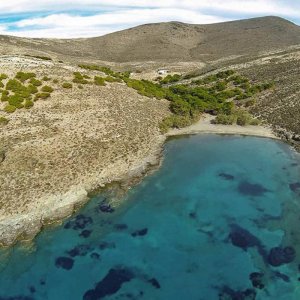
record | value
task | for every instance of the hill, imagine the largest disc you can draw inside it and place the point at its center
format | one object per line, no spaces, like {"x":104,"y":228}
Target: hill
{"x":171,"y":41}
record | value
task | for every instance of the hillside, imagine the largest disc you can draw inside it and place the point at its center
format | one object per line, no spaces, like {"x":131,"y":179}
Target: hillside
{"x":171,"y":41}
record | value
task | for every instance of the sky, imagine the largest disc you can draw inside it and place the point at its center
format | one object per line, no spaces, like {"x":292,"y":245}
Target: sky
{"x":87,"y":18}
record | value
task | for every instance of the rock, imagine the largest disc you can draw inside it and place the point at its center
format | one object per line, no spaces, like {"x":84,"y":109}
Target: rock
{"x":257,"y":280}
{"x":141,"y":232}
{"x":279,"y":256}
{"x":250,"y":189}
{"x":226,"y":176}
{"x":110,"y":284}
{"x":64,"y":263}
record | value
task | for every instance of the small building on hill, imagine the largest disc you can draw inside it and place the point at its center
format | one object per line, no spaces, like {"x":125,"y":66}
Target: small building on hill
{"x":163,"y":71}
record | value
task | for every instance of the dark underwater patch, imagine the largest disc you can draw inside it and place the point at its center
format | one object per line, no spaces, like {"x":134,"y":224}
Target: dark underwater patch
{"x":229,"y":294}
{"x":140,"y":232}
{"x":107,"y":245}
{"x":242,"y":238}
{"x":64,"y":263}
{"x":279,"y":256}
{"x":226,"y":176}
{"x":120,"y":227}
{"x":110,"y":284}
{"x":154,"y":283}
{"x":79,"y":222}
{"x":80,"y":250}
{"x":257,"y":280}
{"x":295,"y":187}
{"x":282,"y":276}
{"x":250,"y":189}
{"x":105,"y":207}
{"x":85,"y":233}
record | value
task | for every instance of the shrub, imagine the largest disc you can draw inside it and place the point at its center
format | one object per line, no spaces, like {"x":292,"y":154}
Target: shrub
{"x":55,"y":81}
{"x":46,"y":78}
{"x":24,"y":76}
{"x":112,"y":79}
{"x":3,"y":76}
{"x":80,"y":86}
{"x":243,"y":118}
{"x":41,"y":96}
{"x":171,"y":79}
{"x":28,"y":104}
{"x":47,"y":89}
{"x":99,"y":81}
{"x":10,"y":108}
{"x":16,"y":101}
{"x":35,"y":82}
{"x":67,"y":85}
{"x":1,"y":84}
{"x":225,"y":119}
{"x":32,"y":89}
{"x":3,"y":120}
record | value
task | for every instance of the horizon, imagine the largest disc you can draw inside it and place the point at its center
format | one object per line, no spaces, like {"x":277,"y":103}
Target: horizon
{"x":72,"y":19}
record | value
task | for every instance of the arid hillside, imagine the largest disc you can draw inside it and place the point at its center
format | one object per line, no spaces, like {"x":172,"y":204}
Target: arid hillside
{"x":167,"y":42}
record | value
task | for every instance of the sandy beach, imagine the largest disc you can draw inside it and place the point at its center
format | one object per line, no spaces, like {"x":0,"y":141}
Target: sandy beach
{"x":205,"y":126}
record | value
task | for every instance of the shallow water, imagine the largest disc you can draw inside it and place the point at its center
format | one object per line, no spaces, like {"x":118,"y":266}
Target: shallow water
{"x":195,"y":229}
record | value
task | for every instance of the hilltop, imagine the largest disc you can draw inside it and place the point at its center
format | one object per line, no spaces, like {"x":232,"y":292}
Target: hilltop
{"x":172,"y":41}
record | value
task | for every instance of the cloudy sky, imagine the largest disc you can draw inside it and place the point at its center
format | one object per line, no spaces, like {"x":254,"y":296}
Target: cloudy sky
{"x":86,"y":18}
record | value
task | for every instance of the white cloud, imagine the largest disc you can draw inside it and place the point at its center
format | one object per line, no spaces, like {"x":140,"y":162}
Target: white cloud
{"x":65,"y":25}
{"x":112,"y":15}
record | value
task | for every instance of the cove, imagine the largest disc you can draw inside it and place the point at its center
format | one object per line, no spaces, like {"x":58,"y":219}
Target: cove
{"x":218,"y":220}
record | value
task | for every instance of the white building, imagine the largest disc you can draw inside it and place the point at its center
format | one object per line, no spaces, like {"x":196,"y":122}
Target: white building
{"x":163,"y":71}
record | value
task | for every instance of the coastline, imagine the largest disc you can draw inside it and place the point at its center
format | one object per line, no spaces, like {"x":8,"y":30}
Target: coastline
{"x":204,"y":126}
{"x":25,"y":227}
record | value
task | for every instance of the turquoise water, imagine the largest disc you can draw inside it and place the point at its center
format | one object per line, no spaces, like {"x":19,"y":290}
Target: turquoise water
{"x":219,"y":220}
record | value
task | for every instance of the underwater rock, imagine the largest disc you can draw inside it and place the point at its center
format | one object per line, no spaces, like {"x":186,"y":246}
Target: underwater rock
{"x":282,"y":276}
{"x":110,"y":284}
{"x":32,"y":289}
{"x":105,"y":207}
{"x":229,"y":294}
{"x":80,"y":250}
{"x":242,"y":238}
{"x":226,"y":176}
{"x":257,"y":280}
{"x":140,"y":232}
{"x":85,"y":233}
{"x":120,"y":226}
{"x":279,"y":256}
{"x":95,"y":256}
{"x":107,"y":245}
{"x":295,"y":187}
{"x":154,"y":282}
{"x":80,"y":222}
{"x":64,"y":262}
{"x":250,"y":189}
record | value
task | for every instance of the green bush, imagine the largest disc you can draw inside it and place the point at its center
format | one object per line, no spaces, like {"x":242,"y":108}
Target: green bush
{"x":3,"y":76}
{"x":47,"y":89}
{"x":16,"y":101}
{"x":80,"y":86}
{"x":99,"y":81}
{"x":35,"y":82}
{"x":10,"y":108}
{"x":171,"y":79}
{"x":55,"y":81}
{"x":46,"y":78}
{"x":22,"y":76}
{"x":28,"y":104}
{"x":32,"y":89}
{"x":67,"y":85}
{"x":3,"y":120}
{"x":225,"y":119}
{"x":41,"y":96}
